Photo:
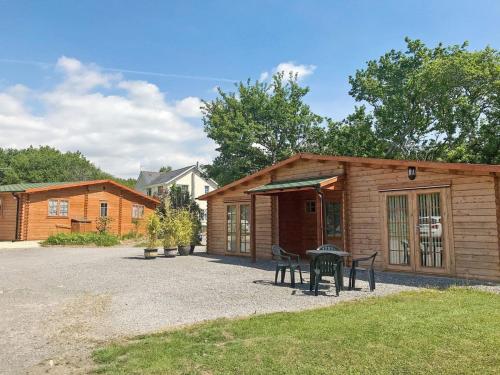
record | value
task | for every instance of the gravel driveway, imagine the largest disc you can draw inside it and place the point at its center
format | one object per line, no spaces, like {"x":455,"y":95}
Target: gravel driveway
{"x":57,"y":304}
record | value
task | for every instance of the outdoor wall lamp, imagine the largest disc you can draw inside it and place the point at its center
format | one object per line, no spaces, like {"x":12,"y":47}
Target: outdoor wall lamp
{"x":412,"y":173}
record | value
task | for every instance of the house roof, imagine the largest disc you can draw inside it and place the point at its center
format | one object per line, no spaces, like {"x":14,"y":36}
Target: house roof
{"x":486,"y":168}
{"x":157,"y":178}
{"x":35,"y":187}
{"x":314,"y":182}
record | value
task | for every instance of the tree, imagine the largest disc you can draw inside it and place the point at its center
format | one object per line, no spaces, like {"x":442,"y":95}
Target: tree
{"x":441,"y":103}
{"x":46,"y":164}
{"x":353,"y":136}
{"x":166,"y":168}
{"x":260,"y":124}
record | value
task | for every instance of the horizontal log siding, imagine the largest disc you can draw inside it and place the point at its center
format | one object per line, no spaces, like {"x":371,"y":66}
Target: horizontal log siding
{"x":8,"y":217}
{"x":475,"y":222}
{"x":216,"y":241}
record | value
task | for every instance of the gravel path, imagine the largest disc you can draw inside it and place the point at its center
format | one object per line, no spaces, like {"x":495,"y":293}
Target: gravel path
{"x":57,"y":304}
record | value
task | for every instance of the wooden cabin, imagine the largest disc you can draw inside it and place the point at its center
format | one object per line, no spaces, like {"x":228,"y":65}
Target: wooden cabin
{"x":424,"y":217}
{"x":34,"y":211}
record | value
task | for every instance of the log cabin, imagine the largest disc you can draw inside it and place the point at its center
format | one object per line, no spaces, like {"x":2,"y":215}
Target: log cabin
{"x":421,"y":217}
{"x":34,"y":211}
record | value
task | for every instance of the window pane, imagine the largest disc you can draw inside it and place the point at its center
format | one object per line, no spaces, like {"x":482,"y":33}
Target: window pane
{"x":244,"y":228}
{"x":430,"y":230}
{"x":231,"y":228}
{"x":52,"y":207}
{"x":104,"y":209}
{"x":310,"y":207}
{"x":333,"y":219}
{"x":207,"y":189}
{"x":398,"y":229}
{"x":63,"y":208}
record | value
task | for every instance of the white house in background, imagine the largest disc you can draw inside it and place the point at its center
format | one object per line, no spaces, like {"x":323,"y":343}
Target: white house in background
{"x":188,"y":178}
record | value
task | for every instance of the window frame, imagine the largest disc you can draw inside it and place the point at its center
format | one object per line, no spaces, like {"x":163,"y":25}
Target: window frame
{"x":310,"y":206}
{"x":49,"y":212}
{"x":1,"y":206}
{"x":100,"y":208}
{"x":59,"y":207}
{"x":207,"y":189}
{"x":237,"y":250}
{"x":336,"y":223}
{"x":137,"y":211}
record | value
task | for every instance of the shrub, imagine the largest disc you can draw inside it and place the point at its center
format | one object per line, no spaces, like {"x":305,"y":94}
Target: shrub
{"x":132,"y":235}
{"x":102,"y":224}
{"x":97,"y":239}
{"x":153,"y":227}
{"x":183,"y":227}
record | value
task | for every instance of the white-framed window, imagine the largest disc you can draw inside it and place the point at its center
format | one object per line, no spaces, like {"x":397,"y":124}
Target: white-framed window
{"x":207,"y":189}
{"x":63,"y":207}
{"x":103,"y":209}
{"x":137,"y":211}
{"x":53,"y":207}
{"x":203,"y":215}
{"x":148,"y":191}
{"x":184,"y":188}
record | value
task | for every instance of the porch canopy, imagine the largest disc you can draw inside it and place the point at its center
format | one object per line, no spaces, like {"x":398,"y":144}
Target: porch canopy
{"x":316,"y":183}
{"x":318,"y":188}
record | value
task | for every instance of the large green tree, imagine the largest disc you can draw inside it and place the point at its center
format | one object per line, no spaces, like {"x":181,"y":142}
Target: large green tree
{"x":437,"y":103}
{"x":259,"y":124}
{"x":46,"y":164}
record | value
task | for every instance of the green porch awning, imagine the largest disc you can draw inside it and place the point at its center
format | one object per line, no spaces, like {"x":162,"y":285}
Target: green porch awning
{"x":312,"y":182}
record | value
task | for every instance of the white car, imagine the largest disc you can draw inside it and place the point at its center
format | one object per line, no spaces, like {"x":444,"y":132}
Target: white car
{"x":430,"y":224}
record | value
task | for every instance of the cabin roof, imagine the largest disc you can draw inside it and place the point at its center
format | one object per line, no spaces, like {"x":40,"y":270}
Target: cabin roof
{"x":485,"y":168}
{"x":35,"y":187}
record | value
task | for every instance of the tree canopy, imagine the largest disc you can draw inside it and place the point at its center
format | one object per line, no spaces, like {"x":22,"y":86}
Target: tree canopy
{"x":46,"y":164}
{"x":258,"y":125}
{"x":423,"y":103}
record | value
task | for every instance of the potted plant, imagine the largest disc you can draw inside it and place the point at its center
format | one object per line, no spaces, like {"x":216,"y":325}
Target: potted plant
{"x":183,"y":227}
{"x":168,"y":237}
{"x":196,"y":222}
{"x":153,"y":227}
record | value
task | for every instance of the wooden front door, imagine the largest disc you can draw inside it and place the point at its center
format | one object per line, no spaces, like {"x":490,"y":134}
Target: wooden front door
{"x":416,"y":230}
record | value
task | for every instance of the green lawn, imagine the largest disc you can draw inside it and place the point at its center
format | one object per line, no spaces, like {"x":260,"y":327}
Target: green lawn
{"x":456,"y":331}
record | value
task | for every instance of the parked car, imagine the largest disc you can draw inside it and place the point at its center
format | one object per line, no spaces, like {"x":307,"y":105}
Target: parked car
{"x":430,"y":224}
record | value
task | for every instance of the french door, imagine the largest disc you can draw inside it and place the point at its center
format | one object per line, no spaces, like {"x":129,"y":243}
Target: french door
{"x":416,"y":230}
{"x":238,"y":228}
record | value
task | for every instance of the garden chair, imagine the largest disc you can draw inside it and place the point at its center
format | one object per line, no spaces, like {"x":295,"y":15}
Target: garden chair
{"x":286,"y":260}
{"x":326,"y":265}
{"x":371,"y":273}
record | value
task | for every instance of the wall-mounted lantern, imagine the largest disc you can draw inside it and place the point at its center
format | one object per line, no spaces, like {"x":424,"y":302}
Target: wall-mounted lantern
{"x":412,"y":173}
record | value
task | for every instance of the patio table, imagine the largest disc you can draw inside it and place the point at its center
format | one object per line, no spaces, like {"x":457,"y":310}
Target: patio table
{"x":340,"y":267}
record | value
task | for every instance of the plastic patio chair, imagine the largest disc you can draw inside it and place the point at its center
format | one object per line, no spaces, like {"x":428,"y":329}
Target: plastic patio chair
{"x":326,"y":265}
{"x":286,"y":260}
{"x":371,"y":273}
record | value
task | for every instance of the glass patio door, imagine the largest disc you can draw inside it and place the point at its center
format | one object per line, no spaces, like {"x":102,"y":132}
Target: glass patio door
{"x":415,"y":231}
{"x":238,"y":228}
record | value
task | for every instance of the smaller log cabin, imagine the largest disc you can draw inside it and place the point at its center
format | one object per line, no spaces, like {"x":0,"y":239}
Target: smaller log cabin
{"x":423,"y":217}
{"x":34,"y":211}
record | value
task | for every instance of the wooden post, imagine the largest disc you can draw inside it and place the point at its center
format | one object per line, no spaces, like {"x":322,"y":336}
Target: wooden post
{"x":319,"y":219}
{"x":253,"y":228}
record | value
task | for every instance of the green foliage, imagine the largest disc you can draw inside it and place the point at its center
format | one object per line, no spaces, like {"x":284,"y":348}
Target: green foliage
{"x":166,"y":168}
{"x":175,"y":199}
{"x":166,"y":214}
{"x":46,"y":164}
{"x":132,"y":235}
{"x":103,"y":223}
{"x":427,"y":332}
{"x":75,"y":239}
{"x":183,"y":227}
{"x":434,"y":103}
{"x":153,"y":229}
{"x":258,"y":125}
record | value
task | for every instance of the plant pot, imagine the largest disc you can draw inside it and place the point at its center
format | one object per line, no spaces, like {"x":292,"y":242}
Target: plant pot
{"x":150,"y":253}
{"x":191,"y":249}
{"x":184,"y":249}
{"x":170,"y":252}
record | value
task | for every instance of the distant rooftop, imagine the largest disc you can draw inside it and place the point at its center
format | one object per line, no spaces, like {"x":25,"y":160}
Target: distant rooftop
{"x":23,"y":186}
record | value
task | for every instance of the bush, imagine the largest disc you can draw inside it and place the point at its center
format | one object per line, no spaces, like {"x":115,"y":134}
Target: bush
{"x":103,"y":223}
{"x":132,"y":235}
{"x":183,"y":227}
{"x":96,"y":239}
{"x":153,"y":228}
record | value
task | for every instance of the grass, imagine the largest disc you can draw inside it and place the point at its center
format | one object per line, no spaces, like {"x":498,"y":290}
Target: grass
{"x":75,"y":239}
{"x":456,"y":331}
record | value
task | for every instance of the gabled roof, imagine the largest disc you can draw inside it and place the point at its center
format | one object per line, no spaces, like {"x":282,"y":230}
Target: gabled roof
{"x":166,"y":177}
{"x":485,"y":168}
{"x":36,"y":187}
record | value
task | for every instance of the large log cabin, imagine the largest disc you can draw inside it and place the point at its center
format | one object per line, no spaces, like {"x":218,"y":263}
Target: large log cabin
{"x":424,"y":217}
{"x":34,"y":211}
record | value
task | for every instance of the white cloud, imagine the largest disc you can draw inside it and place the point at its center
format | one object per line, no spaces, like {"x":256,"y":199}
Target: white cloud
{"x":118,"y":124}
{"x":301,"y":70}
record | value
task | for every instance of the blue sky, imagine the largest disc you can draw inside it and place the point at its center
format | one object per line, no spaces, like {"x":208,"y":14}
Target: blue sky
{"x":212,"y":42}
